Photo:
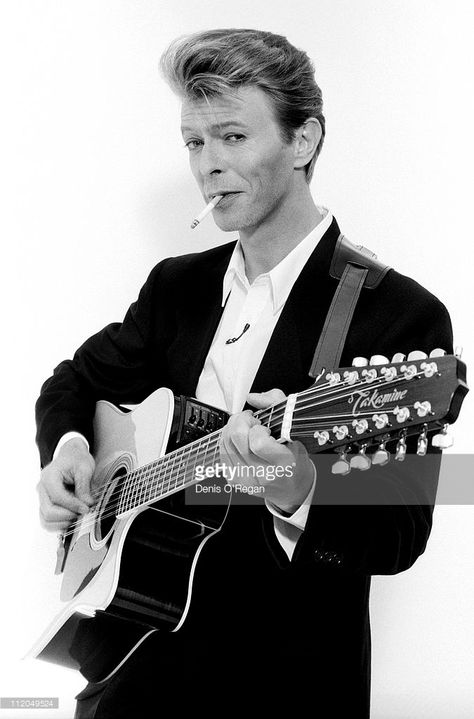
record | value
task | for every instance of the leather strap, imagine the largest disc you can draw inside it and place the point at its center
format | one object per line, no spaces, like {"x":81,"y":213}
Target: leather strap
{"x":345,"y":251}
{"x":355,"y":267}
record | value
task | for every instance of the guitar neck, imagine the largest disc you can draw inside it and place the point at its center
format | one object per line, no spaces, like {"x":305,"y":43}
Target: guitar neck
{"x":350,"y":407}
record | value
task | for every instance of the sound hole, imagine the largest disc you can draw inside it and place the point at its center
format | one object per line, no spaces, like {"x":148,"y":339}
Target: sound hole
{"x":109,"y":504}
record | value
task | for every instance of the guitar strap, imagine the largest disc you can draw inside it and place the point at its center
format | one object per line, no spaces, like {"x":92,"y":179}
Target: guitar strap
{"x":355,"y":267}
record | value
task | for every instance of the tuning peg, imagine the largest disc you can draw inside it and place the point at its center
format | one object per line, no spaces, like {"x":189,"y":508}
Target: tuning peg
{"x":340,"y":431}
{"x":401,"y":414}
{"x":422,"y":445}
{"x":388,"y":373}
{"x":429,"y":368}
{"x":438,"y":352}
{"x":422,"y":408}
{"x":378,"y":359}
{"x":360,"y":425}
{"x":360,"y":362}
{"x":351,"y":376}
{"x":360,"y":460}
{"x":333,"y":378}
{"x":341,"y":466}
{"x":322,"y":436}
{"x":416,"y":355}
{"x":443,"y":440}
{"x":380,"y":420}
{"x":398,"y":357}
{"x":458,"y":352}
{"x":369,"y":375}
{"x":381,"y":456}
{"x":401,"y":449}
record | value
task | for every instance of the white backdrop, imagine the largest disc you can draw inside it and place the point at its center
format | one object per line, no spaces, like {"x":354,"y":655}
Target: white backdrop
{"x":97,"y":190}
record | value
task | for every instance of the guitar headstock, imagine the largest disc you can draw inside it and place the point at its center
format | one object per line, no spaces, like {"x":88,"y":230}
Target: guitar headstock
{"x":366,"y":405}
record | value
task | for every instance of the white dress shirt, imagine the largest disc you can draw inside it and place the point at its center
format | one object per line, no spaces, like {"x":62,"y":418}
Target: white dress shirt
{"x":229,"y":369}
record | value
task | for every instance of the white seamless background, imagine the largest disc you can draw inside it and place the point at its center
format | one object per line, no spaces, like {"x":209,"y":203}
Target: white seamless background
{"x":96,"y":190}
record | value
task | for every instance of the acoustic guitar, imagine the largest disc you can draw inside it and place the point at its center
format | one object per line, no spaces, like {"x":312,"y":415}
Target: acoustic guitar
{"x":149,"y":457}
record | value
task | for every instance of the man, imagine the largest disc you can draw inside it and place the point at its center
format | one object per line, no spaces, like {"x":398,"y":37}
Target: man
{"x":280,"y":616}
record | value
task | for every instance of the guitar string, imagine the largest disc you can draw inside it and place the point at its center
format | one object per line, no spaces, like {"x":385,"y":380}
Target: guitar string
{"x":336,"y":391}
{"x":308,"y":394}
{"x":163,"y":494}
{"x":172,"y":481}
{"x":147,"y":469}
{"x":169,"y":483}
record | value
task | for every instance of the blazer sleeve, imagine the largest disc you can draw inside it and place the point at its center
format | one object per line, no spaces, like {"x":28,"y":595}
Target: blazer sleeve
{"x":115,"y":364}
{"x":379,"y":521}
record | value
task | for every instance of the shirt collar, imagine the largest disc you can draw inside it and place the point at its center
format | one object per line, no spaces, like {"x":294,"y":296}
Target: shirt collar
{"x":284,"y":274}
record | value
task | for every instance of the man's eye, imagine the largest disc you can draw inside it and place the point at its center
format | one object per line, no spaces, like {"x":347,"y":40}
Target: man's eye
{"x":235,"y":137}
{"x":192,"y":144}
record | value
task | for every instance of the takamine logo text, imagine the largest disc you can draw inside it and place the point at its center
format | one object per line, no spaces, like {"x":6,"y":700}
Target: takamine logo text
{"x":366,"y":399}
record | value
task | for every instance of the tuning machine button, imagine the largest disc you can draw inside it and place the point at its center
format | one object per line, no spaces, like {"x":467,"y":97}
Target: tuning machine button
{"x":381,"y":456}
{"x":378,"y":359}
{"x":341,"y":465}
{"x":401,"y":450}
{"x":416,"y":355}
{"x":360,"y":362}
{"x":437,"y":352}
{"x":361,"y":460}
{"x":443,"y":440}
{"x":398,"y":357}
{"x":422,"y":445}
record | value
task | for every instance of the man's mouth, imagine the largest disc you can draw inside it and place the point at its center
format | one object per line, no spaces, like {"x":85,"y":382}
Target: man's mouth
{"x":226,"y":197}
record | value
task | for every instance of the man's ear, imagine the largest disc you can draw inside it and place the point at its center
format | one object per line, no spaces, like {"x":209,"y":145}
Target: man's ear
{"x":307,"y":139}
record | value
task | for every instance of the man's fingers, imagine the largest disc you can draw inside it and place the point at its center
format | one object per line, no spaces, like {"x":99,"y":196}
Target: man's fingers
{"x":235,"y":433}
{"x":261,"y":400}
{"x":265,"y":447}
{"x":53,"y":526}
{"x":52,"y":514}
{"x":82,"y":481}
{"x":55,"y":491}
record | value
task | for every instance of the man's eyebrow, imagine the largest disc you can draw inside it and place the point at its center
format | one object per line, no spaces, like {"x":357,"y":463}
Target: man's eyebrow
{"x":217,"y":125}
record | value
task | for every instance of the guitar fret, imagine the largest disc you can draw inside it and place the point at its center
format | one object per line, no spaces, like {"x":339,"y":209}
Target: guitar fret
{"x":270,"y":416}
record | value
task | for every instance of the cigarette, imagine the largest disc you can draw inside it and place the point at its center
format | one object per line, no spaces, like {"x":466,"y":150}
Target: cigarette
{"x":206,"y":211}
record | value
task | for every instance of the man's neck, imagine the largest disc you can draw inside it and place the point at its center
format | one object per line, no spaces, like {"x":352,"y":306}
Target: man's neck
{"x":266,"y":246}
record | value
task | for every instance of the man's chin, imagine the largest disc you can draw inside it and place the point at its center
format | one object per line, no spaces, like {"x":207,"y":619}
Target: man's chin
{"x":228,"y":224}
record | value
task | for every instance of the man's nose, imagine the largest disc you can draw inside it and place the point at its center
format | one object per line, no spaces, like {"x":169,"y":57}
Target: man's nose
{"x":211,"y":159}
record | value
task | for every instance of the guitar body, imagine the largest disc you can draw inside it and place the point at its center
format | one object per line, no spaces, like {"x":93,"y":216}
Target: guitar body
{"x":126,"y":577}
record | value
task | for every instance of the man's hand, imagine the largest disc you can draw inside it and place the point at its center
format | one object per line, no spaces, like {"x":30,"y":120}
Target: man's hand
{"x":65,"y":486}
{"x":245,"y":441}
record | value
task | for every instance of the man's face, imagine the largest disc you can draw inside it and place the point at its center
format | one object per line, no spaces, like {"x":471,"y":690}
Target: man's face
{"x":236,"y":149}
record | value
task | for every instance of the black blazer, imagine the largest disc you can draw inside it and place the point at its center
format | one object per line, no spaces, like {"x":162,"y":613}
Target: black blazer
{"x":302,"y":626}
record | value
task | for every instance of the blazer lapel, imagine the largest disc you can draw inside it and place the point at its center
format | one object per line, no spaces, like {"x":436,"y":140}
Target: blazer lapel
{"x":288,"y":357}
{"x":198,"y":312}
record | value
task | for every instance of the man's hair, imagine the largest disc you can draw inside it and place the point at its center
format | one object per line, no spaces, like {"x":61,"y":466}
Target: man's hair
{"x":217,"y":62}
